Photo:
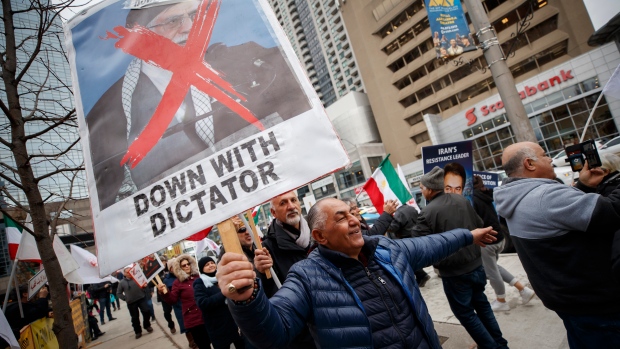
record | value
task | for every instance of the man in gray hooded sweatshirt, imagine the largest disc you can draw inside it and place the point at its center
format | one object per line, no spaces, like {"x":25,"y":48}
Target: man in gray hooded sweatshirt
{"x":563,"y":236}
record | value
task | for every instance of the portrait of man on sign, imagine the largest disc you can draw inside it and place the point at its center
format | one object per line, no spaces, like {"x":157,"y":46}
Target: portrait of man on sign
{"x":191,"y":81}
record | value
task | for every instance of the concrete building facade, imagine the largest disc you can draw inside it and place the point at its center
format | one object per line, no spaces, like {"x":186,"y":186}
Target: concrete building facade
{"x":317,"y":32}
{"x":405,"y":81}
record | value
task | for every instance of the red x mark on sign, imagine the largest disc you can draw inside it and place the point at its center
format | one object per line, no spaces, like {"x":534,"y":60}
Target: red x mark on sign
{"x":188,"y":69}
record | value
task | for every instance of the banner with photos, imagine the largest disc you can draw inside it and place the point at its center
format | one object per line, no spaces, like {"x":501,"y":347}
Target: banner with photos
{"x":451,"y":35}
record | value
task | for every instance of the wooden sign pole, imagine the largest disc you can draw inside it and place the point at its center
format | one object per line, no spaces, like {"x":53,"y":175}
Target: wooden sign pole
{"x":256,"y":239}
{"x":228,"y":234}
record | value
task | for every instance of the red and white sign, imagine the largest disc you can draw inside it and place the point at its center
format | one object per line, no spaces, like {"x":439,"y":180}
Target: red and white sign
{"x":182,"y":129}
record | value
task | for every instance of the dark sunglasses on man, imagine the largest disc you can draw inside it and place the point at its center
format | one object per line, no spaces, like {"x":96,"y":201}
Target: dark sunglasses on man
{"x":241,"y":230}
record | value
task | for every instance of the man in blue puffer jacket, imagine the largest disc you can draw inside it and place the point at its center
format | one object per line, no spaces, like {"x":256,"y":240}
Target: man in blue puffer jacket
{"x":352,"y":291}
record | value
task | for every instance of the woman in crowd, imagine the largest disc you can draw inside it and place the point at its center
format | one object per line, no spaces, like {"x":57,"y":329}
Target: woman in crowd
{"x":185,"y":269}
{"x":222,"y":329}
{"x":497,"y":275}
{"x":610,"y":164}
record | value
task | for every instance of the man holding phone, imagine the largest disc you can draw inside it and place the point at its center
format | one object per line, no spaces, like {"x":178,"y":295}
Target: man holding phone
{"x":563,"y":236}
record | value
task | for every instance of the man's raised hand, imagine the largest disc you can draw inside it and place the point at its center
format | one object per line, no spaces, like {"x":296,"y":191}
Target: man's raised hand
{"x":262,"y":260}
{"x":483,"y":236}
{"x":235,"y":276}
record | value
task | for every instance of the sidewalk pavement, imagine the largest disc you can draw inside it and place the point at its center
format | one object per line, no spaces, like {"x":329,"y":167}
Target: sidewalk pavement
{"x":119,"y":333}
{"x":524,"y":326}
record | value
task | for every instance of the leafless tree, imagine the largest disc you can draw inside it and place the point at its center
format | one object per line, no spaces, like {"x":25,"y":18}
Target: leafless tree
{"x":39,"y":141}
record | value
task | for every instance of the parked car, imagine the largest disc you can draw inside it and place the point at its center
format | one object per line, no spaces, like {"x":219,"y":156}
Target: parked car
{"x":370,"y":218}
{"x":613,"y":146}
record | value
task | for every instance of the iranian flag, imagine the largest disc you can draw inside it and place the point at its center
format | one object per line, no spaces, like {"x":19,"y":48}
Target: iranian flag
{"x":386,"y":185}
{"x":13,"y":236}
{"x":255,"y":215}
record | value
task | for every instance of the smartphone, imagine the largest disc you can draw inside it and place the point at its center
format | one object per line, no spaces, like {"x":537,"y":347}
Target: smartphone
{"x":579,"y":153}
{"x":575,"y":157}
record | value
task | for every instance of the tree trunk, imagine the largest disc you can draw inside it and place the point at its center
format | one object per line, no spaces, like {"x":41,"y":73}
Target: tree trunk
{"x":63,"y":321}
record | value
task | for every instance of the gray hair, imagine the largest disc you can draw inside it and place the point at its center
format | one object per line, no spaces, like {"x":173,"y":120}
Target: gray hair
{"x":316,"y":216}
{"x":514,"y":165}
{"x":610,"y":162}
{"x":349,"y":201}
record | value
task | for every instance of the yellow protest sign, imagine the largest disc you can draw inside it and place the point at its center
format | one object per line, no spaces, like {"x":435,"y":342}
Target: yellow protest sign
{"x":78,"y":320}
{"x":26,"y":340}
{"x":44,"y":337}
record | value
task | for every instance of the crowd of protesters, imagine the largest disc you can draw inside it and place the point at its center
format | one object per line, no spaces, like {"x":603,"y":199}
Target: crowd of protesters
{"x":345,"y":283}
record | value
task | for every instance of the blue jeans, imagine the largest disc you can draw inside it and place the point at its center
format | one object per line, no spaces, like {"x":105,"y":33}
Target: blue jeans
{"x":469,"y":304}
{"x":592,"y":331}
{"x":104,"y":304}
{"x":149,"y":302}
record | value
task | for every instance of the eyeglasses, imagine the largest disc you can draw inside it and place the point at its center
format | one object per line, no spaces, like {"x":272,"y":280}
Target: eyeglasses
{"x":175,"y":22}
{"x":184,"y":265}
{"x":241,"y":230}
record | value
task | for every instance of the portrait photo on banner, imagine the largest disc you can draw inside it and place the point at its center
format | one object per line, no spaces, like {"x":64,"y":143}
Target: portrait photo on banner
{"x":164,"y":86}
{"x":457,"y":162}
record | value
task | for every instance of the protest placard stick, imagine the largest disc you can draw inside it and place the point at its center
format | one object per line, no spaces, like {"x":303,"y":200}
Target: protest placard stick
{"x":160,"y":282}
{"x":228,"y":234}
{"x":256,"y":238}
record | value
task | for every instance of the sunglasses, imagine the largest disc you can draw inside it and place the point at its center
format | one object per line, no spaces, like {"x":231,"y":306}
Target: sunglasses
{"x":184,"y":265}
{"x":241,"y":230}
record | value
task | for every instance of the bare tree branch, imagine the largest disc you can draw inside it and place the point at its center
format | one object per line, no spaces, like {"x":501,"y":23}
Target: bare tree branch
{"x":50,"y":174}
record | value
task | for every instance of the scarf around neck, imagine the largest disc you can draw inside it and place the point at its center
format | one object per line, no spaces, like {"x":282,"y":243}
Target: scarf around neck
{"x":303,"y":238}
{"x":208,"y":280}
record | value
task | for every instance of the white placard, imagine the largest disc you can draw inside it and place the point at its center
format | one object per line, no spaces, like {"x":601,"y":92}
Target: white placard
{"x":36,"y":283}
{"x":240,"y":123}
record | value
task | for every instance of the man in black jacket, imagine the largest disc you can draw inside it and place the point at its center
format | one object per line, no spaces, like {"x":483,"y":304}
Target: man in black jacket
{"x":462,"y":274}
{"x":33,"y":310}
{"x":287,"y":242}
{"x":405,"y":220}
{"x":101,"y":292}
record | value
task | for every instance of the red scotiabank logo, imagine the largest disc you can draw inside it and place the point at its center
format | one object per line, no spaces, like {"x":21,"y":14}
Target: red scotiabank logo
{"x":527,"y":91}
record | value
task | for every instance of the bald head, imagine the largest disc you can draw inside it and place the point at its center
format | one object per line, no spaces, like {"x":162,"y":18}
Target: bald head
{"x":527,"y":160}
{"x":318,"y":213}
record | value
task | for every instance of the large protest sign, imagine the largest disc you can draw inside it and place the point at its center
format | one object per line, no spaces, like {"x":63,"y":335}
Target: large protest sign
{"x":451,"y":35}
{"x":489,"y":179}
{"x":457,"y":160}
{"x":189,"y":112}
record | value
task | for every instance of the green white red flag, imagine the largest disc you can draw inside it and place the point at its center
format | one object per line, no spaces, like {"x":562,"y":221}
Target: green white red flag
{"x":13,"y":236}
{"x":384,"y":185}
{"x":255,"y":215}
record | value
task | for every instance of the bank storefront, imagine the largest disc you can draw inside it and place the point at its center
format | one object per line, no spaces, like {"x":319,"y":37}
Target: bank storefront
{"x":558,"y":103}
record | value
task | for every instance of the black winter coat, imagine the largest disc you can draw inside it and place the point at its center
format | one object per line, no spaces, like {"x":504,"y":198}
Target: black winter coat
{"x":220,"y":325}
{"x":608,"y":184}
{"x":99,"y":290}
{"x":446,"y":212}
{"x":483,"y":205}
{"x":380,"y":227}
{"x":405,"y":219}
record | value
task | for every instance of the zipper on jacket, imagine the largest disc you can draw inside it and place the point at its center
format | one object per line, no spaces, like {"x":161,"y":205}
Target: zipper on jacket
{"x":371,"y":277}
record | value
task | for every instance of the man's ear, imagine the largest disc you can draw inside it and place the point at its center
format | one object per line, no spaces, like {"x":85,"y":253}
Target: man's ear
{"x":318,"y":236}
{"x":273,"y":212}
{"x":527,"y":164}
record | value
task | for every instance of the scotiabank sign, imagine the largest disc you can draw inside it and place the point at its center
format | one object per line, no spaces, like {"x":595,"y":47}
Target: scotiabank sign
{"x":528,"y":91}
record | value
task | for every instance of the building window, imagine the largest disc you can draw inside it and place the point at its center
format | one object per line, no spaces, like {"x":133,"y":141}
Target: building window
{"x":374,"y":162}
{"x":421,"y":138}
{"x":351,"y":177}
